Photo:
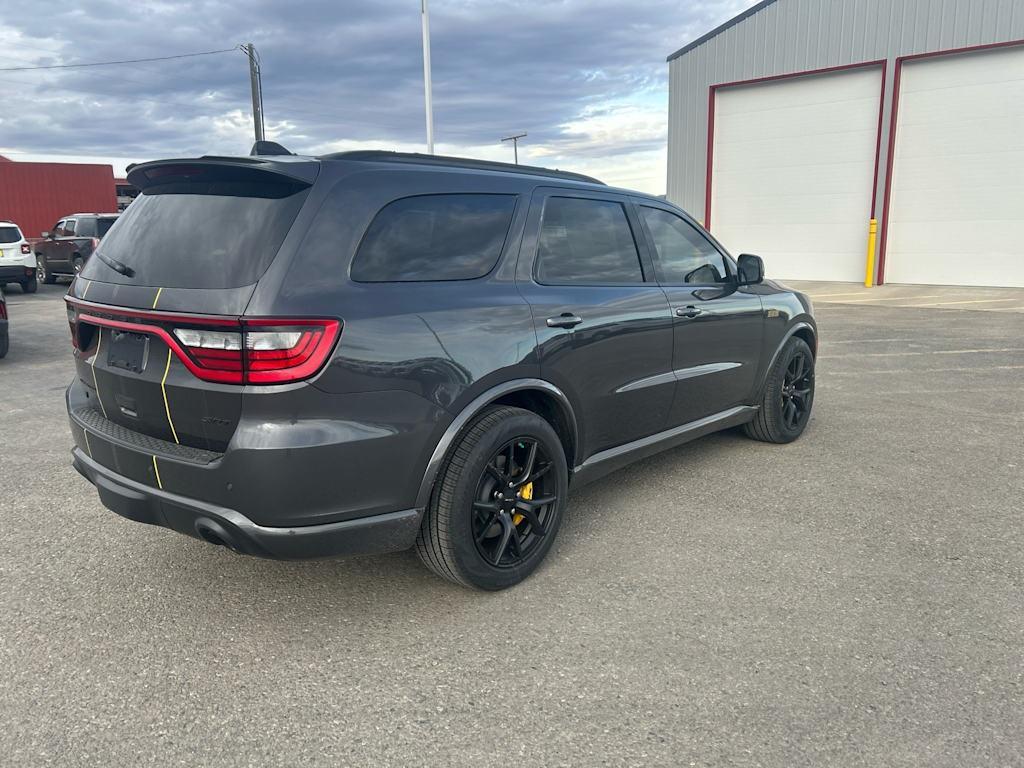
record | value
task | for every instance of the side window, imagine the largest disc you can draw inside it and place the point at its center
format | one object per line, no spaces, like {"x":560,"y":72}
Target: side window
{"x":69,"y":227}
{"x":58,"y":228}
{"x":682,"y":254}
{"x":86,"y":228}
{"x":434,"y":237}
{"x":586,"y":242}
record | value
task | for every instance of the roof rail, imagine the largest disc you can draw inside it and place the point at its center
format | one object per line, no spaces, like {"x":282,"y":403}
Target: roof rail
{"x":414,"y":158}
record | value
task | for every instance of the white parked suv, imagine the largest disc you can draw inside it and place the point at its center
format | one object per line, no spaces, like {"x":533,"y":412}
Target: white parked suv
{"x":17,"y":261}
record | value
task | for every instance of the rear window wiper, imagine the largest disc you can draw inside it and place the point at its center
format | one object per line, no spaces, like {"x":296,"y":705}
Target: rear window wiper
{"x":114,"y":264}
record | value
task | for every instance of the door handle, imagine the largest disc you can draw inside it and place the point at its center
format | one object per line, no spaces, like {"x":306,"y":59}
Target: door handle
{"x":564,"y":320}
{"x":689,"y":312}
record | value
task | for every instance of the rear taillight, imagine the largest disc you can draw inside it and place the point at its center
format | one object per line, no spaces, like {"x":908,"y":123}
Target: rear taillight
{"x":26,"y":249}
{"x":228,"y":350}
{"x":263,"y":351}
{"x":3,"y":310}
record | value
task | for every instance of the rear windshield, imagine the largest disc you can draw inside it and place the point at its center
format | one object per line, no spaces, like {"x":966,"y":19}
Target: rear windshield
{"x":9,"y":235}
{"x":196,"y":236}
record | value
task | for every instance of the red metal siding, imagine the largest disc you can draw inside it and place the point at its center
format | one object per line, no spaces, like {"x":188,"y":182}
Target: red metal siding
{"x":35,"y":195}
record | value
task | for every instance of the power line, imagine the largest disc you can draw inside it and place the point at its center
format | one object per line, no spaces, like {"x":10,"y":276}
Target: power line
{"x":122,"y":61}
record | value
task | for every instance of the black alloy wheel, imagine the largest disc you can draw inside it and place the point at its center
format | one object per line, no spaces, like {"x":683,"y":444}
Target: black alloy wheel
{"x":797,"y":386}
{"x":788,"y":396}
{"x":497,"y":502}
{"x":514,"y":500}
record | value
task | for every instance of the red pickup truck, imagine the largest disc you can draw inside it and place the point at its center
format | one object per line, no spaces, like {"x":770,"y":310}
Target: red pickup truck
{"x":65,"y":249}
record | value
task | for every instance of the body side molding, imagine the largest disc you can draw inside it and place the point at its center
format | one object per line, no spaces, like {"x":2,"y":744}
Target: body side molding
{"x":677,"y":375}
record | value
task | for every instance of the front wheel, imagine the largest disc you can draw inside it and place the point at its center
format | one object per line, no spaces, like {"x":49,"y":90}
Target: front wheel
{"x":787,"y":397}
{"x":498,"y":502}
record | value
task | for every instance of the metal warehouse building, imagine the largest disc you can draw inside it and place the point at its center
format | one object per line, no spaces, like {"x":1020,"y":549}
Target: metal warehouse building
{"x":799,"y":121}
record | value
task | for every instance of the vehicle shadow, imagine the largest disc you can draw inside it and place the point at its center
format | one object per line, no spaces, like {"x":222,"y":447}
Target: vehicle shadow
{"x":365,"y":589}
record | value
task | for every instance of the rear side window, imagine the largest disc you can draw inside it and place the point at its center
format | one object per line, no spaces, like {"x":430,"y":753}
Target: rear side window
{"x":434,"y":237}
{"x":86,"y":228}
{"x":586,"y":242}
{"x":9,"y":234}
{"x":103,"y":226}
{"x":194,"y":235}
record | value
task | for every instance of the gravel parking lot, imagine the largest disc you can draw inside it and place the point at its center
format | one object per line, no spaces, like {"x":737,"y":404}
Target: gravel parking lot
{"x":852,"y":599}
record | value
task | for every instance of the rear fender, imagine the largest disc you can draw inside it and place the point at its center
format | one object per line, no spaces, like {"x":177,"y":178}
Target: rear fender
{"x":473,"y":409}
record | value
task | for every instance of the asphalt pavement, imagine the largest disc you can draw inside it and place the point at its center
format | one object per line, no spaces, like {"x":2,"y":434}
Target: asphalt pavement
{"x":854,"y":598}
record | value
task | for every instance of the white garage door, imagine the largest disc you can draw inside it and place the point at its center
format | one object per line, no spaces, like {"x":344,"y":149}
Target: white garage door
{"x":793,"y":170}
{"x":956,"y":212}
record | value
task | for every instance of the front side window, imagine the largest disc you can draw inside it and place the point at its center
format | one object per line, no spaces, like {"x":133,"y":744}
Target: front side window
{"x":681,"y":253}
{"x":434,"y":237}
{"x":58,"y":229}
{"x":69,"y":227}
{"x":586,"y":242}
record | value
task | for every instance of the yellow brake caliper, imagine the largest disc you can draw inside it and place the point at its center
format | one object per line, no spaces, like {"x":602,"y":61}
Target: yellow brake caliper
{"x":526,"y":492}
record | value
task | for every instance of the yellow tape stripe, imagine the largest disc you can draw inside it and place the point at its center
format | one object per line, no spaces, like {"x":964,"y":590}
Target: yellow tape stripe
{"x":157,"y":297}
{"x":88,"y":448}
{"x":156,"y":470}
{"x":167,"y":405}
{"x":99,"y":342}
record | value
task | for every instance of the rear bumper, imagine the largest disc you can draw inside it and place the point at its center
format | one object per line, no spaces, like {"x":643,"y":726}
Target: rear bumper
{"x":368,"y":535}
{"x":17,"y":272}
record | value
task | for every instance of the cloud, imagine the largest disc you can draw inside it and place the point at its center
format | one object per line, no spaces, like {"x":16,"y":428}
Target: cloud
{"x":586,"y":78}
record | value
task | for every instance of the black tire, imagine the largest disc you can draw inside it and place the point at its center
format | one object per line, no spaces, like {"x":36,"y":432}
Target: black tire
{"x":4,"y":343}
{"x":43,"y":273}
{"x":448,"y":543}
{"x":775,"y":421}
{"x":31,"y":285}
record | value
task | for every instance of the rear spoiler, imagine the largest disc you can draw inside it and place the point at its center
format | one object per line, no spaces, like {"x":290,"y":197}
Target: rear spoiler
{"x":292,"y":171}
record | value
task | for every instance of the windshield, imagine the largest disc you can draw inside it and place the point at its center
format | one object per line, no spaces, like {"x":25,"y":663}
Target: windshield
{"x":192,"y":238}
{"x":9,"y":234}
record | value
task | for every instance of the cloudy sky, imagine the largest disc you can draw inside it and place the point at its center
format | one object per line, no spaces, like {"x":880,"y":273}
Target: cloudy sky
{"x":587,"y":79}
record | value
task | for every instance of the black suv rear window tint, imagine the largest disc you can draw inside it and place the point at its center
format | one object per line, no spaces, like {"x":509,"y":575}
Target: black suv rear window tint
{"x":214,"y":238}
{"x":586,"y":241}
{"x":434,"y":237}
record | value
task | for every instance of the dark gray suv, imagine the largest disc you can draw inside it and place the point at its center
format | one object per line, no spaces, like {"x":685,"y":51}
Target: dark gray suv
{"x":302,"y":357}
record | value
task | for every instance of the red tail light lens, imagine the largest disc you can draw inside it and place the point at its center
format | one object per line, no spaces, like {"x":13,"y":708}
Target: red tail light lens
{"x":26,"y":249}
{"x":264,"y":352}
{"x":223,"y":349}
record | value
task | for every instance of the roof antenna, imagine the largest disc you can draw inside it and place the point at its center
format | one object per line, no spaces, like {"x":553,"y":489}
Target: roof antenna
{"x":266,"y":148}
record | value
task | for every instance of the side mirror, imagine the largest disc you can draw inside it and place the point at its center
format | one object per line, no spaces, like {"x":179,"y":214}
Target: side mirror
{"x":46,"y":235}
{"x":751,"y":269}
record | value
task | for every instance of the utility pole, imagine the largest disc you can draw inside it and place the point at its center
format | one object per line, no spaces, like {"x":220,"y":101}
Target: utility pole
{"x":428,"y":95}
{"x":256,"y":83}
{"x":515,"y":143}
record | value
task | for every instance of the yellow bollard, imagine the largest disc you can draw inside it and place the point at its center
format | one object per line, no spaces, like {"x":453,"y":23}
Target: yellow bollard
{"x":869,"y":277}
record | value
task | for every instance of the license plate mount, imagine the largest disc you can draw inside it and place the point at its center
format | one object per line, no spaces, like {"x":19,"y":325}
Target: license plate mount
{"x":128,"y":351}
